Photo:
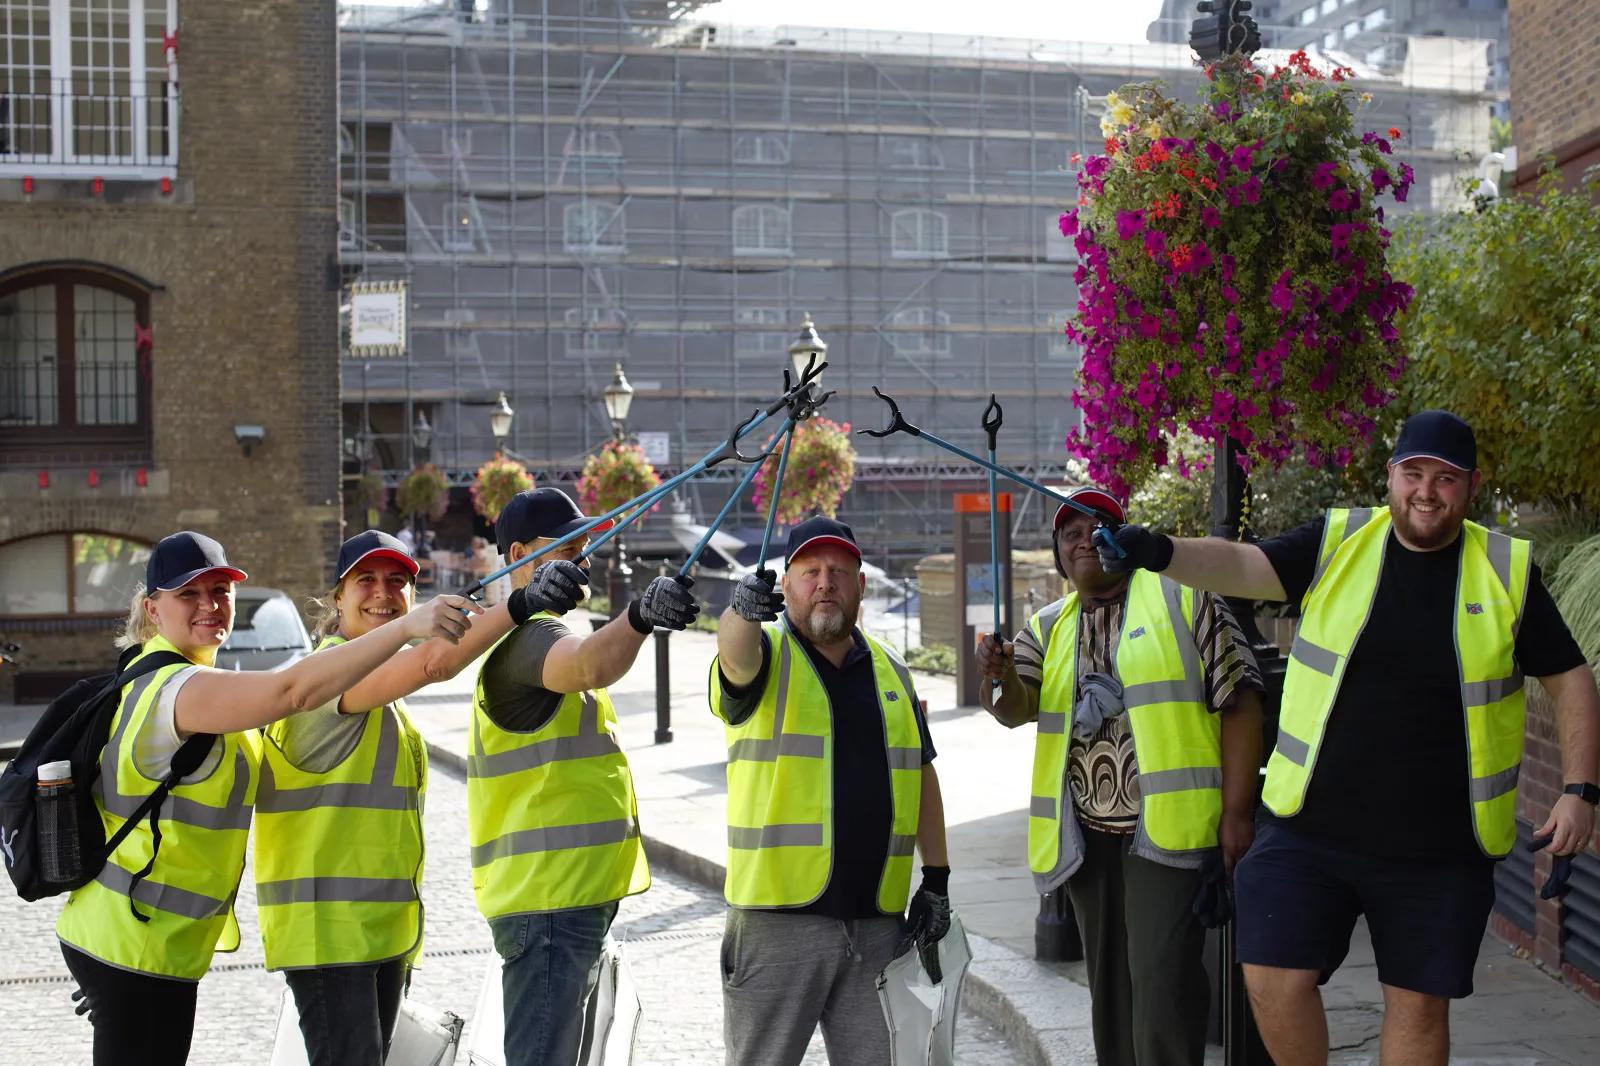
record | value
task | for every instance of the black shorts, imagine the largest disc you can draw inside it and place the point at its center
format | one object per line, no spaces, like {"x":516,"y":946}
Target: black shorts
{"x":1297,"y":904}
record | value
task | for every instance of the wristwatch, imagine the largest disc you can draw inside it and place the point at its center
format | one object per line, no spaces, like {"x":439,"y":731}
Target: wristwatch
{"x":1590,"y":794}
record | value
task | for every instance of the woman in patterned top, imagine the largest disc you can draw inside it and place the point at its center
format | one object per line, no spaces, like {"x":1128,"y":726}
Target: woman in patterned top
{"x":1135,"y":904}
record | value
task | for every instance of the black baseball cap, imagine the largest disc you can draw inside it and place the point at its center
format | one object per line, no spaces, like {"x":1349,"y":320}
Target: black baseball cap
{"x":535,"y":514}
{"x":1437,"y":435}
{"x":374,"y":542}
{"x":179,"y":559}
{"x":820,"y":530}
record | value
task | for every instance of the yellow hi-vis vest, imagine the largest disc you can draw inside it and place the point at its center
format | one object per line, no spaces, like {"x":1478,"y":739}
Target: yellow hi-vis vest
{"x":1490,"y":592}
{"x":551,"y":814}
{"x":339,"y":854}
{"x":188,"y":895}
{"x":1176,"y":738}
{"x":780,"y":781}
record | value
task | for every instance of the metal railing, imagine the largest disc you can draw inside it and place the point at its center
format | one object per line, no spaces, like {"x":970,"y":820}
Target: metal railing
{"x":68,"y":133}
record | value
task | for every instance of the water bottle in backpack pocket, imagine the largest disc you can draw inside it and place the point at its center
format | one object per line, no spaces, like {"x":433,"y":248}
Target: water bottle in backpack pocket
{"x":60,"y":862}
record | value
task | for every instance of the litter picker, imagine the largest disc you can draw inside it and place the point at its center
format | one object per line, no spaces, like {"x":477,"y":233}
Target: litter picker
{"x":991,"y":426}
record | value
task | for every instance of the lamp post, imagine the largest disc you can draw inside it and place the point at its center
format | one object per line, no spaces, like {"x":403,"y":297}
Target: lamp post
{"x":500,"y":421}
{"x":421,"y":438}
{"x":809,"y":344}
{"x":618,"y":397}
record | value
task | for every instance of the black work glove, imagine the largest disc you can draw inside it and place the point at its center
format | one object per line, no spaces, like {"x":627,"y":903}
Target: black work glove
{"x":1213,"y":903}
{"x":757,"y":598}
{"x":1140,"y":549}
{"x":667,"y":602}
{"x":85,"y":1004}
{"x":556,"y":586}
{"x":928,"y":919}
{"x":1560,"y":869}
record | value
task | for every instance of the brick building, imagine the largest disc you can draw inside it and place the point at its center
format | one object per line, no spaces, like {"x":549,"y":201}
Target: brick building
{"x":1555,"y":87}
{"x":168,"y":280}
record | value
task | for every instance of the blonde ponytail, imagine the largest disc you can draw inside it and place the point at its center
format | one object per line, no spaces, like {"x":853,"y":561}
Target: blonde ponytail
{"x":137,"y":628}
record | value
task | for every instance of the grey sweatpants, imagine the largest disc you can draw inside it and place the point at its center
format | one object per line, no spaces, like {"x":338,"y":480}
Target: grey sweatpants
{"x":783,"y":973}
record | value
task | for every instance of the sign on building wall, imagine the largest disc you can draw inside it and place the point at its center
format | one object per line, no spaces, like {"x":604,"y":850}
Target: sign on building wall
{"x":657,"y":448}
{"x":377,"y":319}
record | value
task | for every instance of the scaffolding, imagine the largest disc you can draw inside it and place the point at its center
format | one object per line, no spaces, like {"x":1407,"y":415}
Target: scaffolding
{"x":597,"y":182}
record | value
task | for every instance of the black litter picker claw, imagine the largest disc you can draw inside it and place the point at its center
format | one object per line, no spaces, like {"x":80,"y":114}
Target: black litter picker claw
{"x":897,"y":421}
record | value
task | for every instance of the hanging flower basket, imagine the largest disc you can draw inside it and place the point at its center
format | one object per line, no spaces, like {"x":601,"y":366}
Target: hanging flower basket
{"x":613,"y":476}
{"x":1233,"y":276}
{"x":822,"y":465}
{"x":498,"y":480}
{"x":424,"y":491}
{"x":370,"y":493}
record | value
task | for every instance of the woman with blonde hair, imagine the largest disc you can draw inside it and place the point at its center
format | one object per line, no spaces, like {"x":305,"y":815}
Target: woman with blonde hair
{"x":339,"y":845}
{"x":139,"y":937}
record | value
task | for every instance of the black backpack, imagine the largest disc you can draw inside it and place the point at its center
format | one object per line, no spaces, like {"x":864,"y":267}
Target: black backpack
{"x":76,"y":727}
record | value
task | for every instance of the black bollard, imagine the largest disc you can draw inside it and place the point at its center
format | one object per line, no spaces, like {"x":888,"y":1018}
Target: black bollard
{"x":663,"y":688}
{"x":1055,"y":931}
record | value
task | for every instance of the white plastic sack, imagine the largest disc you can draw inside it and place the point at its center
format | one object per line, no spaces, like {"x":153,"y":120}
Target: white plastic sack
{"x":611,"y":1015}
{"x":921,"y":1014}
{"x":423,"y":1036}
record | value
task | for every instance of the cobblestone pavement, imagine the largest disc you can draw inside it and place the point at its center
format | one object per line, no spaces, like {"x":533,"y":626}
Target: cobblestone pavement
{"x":672,"y":933}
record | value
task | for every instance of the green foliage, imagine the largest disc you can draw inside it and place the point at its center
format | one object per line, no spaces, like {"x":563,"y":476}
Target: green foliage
{"x":1576,"y":588}
{"x":370,"y":493}
{"x":704,"y":622}
{"x":1171,"y":503}
{"x":932,"y":659}
{"x":615,"y":474}
{"x":822,"y":465}
{"x":1500,"y":135}
{"x":1505,"y":332}
{"x":1555,"y":536}
{"x":424,"y":491}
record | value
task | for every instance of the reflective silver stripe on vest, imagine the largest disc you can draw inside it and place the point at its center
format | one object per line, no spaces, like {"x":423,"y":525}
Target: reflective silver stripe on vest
{"x":1499,"y":549}
{"x":1148,"y":693}
{"x":1042,"y":806}
{"x":905,"y":758}
{"x":1312,"y":656}
{"x":554,"y":838}
{"x":1048,"y":615}
{"x":589,"y":743}
{"x":1358,"y":517}
{"x":179,"y":901}
{"x":1484,"y":789}
{"x":1293,"y":748}
{"x":768,"y":749}
{"x":336,"y":890}
{"x":1483,"y":693}
{"x":1052,"y":721}
{"x":1183,"y":779}
{"x":380,"y":794}
{"x":794,"y":835}
{"x":902,"y":844}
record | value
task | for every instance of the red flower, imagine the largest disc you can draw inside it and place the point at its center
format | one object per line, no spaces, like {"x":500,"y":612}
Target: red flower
{"x":1394,"y":134}
{"x":1075,"y":159}
{"x":1111,"y":146}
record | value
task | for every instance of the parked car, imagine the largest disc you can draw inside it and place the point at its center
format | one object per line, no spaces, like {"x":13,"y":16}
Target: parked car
{"x":267,"y":631}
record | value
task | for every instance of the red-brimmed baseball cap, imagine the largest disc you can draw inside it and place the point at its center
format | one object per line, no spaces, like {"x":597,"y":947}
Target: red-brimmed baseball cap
{"x":817,"y":531}
{"x":1099,"y":499}
{"x":179,"y":559}
{"x":373,"y":543}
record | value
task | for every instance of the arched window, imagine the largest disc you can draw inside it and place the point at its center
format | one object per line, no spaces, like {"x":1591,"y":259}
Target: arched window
{"x":766,"y":149}
{"x":918,"y":233}
{"x":761,"y":229}
{"x":74,"y":363}
{"x":459,"y":234}
{"x":593,"y":226}
{"x":66,"y":574}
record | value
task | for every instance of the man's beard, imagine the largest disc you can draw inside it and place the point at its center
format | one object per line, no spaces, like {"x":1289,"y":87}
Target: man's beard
{"x":829,"y":627}
{"x":1429,"y":539}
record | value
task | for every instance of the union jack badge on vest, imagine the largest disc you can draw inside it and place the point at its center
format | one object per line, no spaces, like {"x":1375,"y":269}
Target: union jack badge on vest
{"x":1474,"y":608}
{"x":1136,"y":634}
{"x":893,"y":696}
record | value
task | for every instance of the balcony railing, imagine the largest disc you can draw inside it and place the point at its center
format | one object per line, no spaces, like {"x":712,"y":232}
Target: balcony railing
{"x":67,"y":134}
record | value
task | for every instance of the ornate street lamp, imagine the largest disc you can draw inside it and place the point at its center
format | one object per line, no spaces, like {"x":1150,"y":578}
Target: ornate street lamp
{"x":421,"y":434}
{"x":809,"y":344}
{"x":500,"y":420}
{"x":618,"y":398}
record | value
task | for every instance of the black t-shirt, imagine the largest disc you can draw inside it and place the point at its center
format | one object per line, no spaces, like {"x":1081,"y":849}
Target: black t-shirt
{"x":863,"y":805}
{"x":514,"y":695}
{"x":1391,"y":775}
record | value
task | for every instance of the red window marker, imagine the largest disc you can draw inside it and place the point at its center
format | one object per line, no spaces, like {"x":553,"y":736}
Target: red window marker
{"x":44,"y":479}
{"x":27,"y":186}
{"x":140,"y":478}
{"x":166,"y":186}
{"x":94,"y":479}
{"x":99,"y":186}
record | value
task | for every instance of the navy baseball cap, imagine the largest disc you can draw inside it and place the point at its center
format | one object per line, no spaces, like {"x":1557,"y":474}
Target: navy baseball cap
{"x":535,"y":514}
{"x":1099,"y":499}
{"x":373,"y":542}
{"x":179,"y":559}
{"x":817,"y":531}
{"x":1437,"y":435}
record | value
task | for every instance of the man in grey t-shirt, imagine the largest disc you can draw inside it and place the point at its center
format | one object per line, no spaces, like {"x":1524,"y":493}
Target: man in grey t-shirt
{"x":551,"y":809}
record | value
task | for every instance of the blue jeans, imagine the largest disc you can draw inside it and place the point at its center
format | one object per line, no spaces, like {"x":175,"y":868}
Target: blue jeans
{"x":551,"y":961}
{"x":347,"y":1013}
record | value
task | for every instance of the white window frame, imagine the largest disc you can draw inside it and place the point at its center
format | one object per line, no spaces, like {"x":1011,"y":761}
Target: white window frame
{"x":460,"y":226}
{"x":761,"y":149}
{"x":598,"y":144}
{"x":1057,"y":347}
{"x":914,"y":153}
{"x":595,"y":331}
{"x":460,"y":340}
{"x":920,"y":331}
{"x":759,"y":332}
{"x":1375,"y":18}
{"x":1309,"y":15}
{"x":145,"y":114}
{"x":1351,"y":29}
{"x":919,"y":233}
{"x":1329,"y":7}
{"x":347,"y":223}
{"x":347,"y":140}
{"x":593,"y":226}
{"x":763,"y":229}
